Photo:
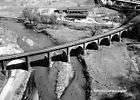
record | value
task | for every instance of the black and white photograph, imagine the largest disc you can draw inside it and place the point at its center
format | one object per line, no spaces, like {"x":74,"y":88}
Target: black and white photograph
{"x":69,"y":49}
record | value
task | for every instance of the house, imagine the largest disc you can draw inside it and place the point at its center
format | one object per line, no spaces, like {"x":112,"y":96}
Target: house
{"x":73,"y":12}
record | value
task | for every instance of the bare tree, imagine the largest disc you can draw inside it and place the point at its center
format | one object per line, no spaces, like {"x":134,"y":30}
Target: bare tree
{"x":31,"y":15}
{"x":48,"y":19}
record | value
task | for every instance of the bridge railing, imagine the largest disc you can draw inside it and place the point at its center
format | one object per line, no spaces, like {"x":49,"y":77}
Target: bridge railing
{"x":66,"y":46}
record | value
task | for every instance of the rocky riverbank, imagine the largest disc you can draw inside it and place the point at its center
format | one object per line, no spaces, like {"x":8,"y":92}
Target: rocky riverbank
{"x":107,"y":63}
{"x":8,"y":42}
{"x":83,"y":78}
{"x":12,"y":88}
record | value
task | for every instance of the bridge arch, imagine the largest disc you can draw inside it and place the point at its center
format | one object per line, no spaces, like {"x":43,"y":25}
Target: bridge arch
{"x":124,"y":34}
{"x":77,"y":51}
{"x":92,"y":46}
{"x":115,"y":38}
{"x":60,"y":55}
{"x":16,"y":64}
{"x":105,"y":41}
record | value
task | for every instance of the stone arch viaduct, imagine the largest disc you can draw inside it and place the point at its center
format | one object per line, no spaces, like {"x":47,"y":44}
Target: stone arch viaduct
{"x":70,"y":49}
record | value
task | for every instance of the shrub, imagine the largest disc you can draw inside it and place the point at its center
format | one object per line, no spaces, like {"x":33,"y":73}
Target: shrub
{"x":31,"y":15}
{"x":35,"y":17}
{"x":48,"y":19}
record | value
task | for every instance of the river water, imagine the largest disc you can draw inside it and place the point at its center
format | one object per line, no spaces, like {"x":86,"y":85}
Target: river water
{"x":45,"y":80}
{"x":28,"y":40}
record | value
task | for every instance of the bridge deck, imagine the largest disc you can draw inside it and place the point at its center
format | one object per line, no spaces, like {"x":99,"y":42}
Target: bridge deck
{"x":64,"y":46}
{"x":17,"y":56}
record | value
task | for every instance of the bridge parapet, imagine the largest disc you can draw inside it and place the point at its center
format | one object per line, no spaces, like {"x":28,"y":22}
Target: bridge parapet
{"x":65,"y":47}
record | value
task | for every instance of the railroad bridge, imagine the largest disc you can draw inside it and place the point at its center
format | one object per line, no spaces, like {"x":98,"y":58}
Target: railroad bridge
{"x":69,"y":49}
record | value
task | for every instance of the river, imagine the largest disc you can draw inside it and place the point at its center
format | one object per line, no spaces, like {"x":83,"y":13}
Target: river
{"x":45,"y":80}
{"x":28,"y":40}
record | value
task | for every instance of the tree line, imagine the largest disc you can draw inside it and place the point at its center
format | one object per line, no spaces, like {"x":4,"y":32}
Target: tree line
{"x":34,"y":16}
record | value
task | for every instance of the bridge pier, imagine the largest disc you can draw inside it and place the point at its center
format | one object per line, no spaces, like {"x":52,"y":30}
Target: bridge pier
{"x":2,"y":65}
{"x":4,"y":69}
{"x":27,"y":61}
{"x":48,"y":56}
{"x":68,"y":54}
{"x":84,"y":48}
{"x":109,"y":38}
{"x":120,"y":36}
{"x":50,"y":60}
{"x":71,"y":49}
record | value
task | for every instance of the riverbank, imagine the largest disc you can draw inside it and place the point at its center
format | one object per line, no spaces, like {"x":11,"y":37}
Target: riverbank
{"x":104,"y":61}
{"x":107,"y":63}
{"x":9,"y":86}
{"x":16,"y":39}
{"x":15,"y":85}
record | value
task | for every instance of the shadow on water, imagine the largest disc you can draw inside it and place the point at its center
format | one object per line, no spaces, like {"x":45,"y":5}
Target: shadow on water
{"x":131,"y":82}
{"x":87,"y":86}
{"x":117,"y":96}
{"x":30,"y":89}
